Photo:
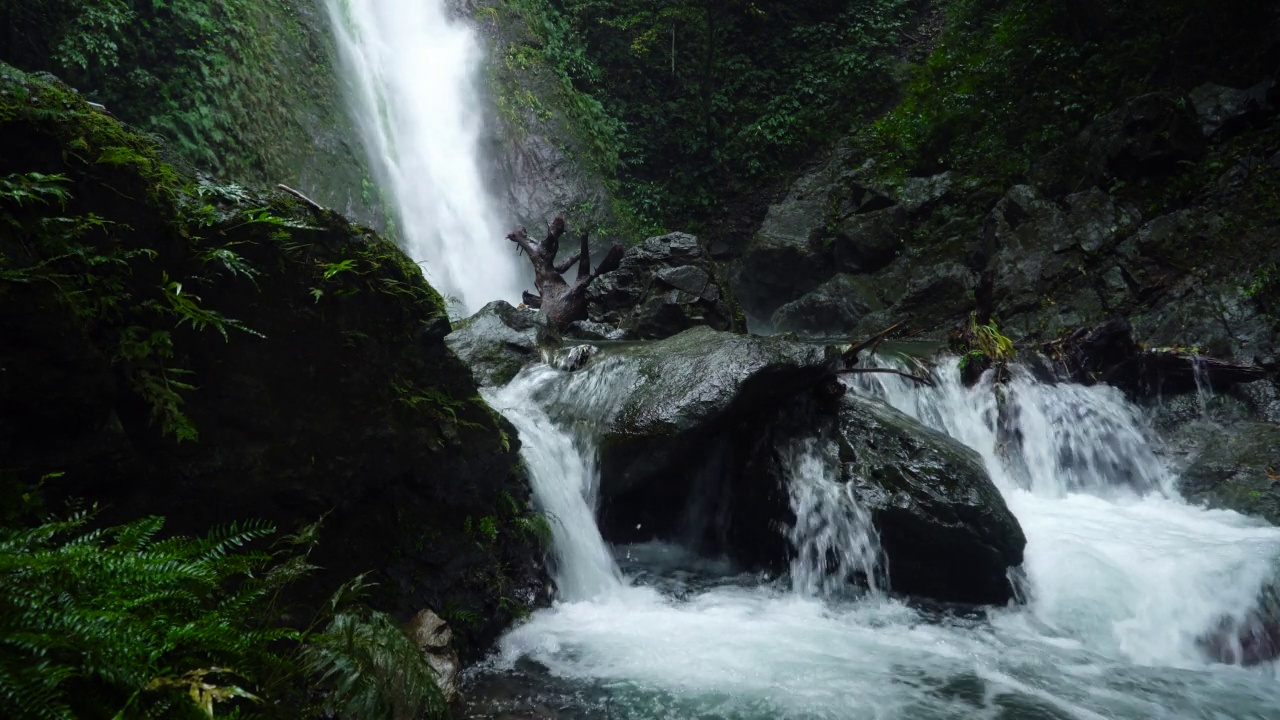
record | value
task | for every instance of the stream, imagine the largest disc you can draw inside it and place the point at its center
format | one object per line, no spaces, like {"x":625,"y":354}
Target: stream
{"x":1121,"y":577}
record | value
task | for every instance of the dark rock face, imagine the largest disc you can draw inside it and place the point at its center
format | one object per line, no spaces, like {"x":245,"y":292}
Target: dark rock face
{"x":834,"y":308}
{"x":663,"y":287}
{"x":944,"y":527}
{"x":1239,"y":470}
{"x":1228,"y":110}
{"x":787,"y":257}
{"x":1250,"y":640}
{"x":499,"y":340}
{"x":344,"y":401}
{"x":1149,"y":135}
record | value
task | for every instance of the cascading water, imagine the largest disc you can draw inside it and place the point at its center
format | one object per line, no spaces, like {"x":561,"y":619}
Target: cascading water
{"x":1123,"y":578}
{"x":835,"y":545}
{"x":412,"y":75}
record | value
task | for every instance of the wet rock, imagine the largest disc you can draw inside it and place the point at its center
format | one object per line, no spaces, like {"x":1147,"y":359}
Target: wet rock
{"x":788,"y":256}
{"x":1031,"y":234}
{"x":1149,"y":135}
{"x":666,"y":285}
{"x":833,"y":309}
{"x":865,"y":243}
{"x":922,"y":193}
{"x":1239,"y":471}
{"x":499,"y":340}
{"x":937,"y":294}
{"x":944,"y":527}
{"x":591,"y":330}
{"x":674,"y":394}
{"x":1228,"y":110}
{"x":1095,"y":220}
{"x":1252,"y":639}
{"x":434,"y":638}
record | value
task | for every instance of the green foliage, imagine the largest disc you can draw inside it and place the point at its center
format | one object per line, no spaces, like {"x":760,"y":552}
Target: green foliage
{"x":99,"y":622}
{"x":1011,"y":80}
{"x":221,"y":79}
{"x":94,"y":274}
{"x":691,"y":101}
{"x":986,"y":343}
{"x":1264,"y":282}
{"x":117,"y":623}
{"x":372,"y":669}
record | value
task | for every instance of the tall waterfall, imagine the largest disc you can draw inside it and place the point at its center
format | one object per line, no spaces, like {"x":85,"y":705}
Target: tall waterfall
{"x":413,"y":86}
{"x":1122,"y":577}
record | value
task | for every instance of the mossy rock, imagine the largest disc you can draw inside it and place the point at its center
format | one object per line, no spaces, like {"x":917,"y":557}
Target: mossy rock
{"x":212,"y":354}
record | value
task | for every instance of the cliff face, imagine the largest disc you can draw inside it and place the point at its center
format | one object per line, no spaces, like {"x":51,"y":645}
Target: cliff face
{"x":210,"y":354}
{"x":246,"y":90}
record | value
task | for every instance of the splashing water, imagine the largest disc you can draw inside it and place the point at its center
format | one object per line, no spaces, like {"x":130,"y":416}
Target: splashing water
{"x":835,"y":545}
{"x":1123,"y":577}
{"x":412,"y":74}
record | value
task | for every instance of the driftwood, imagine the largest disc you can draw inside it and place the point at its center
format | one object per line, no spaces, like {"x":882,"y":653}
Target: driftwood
{"x":850,"y":357}
{"x":561,"y":301}
{"x":314,"y":205}
{"x":1108,"y":354}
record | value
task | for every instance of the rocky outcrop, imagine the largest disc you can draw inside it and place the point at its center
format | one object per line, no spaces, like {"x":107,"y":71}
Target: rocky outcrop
{"x":1238,"y":470}
{"x":212,"y":355}
{"x":1148,"y":135}
{"x":691,"y":438}
{"x":835,"y":307}
{"x":1227,"y":110}
{"x":671,"y":397}
{"x":663,"y":287}
{"x":499,"y":340}
{"x":944,"y":527}
{"x":540,"y":163}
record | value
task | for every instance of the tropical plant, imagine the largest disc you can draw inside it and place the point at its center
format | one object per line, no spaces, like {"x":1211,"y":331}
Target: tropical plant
{"x":118,"y":623}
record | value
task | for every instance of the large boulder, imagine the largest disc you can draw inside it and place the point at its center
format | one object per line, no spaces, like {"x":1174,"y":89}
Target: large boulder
{"x":1228,"y":110}
{"x":1239,"y":471}
{"x":213,"y":355}
{"x":499,"y":340}
{"x":1148,"y":135}
{"x":666,"y":285}
{"x":834,"y":308}
{"x":668,"y":398}
{"x":791,"y":254}
{"x":944,"y":527}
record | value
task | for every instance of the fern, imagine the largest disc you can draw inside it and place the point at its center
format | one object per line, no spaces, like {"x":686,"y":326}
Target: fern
{"x":95,"y":622}
{"x":372,"y":669}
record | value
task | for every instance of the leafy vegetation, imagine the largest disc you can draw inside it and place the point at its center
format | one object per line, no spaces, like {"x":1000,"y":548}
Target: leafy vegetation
{"x":238,"y":87}
{"x":688,"y":102}
{"x":1012,"y":80}
{"x":116,"y":622}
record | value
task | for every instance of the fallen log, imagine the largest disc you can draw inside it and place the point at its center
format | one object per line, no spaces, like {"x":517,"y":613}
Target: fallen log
{"x":1109,"y":354}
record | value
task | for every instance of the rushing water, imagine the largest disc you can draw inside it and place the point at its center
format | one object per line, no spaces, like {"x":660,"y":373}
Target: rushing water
{"x":412,"y":74}
{"x":1121,"y":578}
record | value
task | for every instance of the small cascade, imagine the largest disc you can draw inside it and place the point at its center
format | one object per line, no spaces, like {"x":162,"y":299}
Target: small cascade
{"x":1049,"y":439}
{"x":413,"y":78}
{"x":836,"y":547}
{"x":565,"y":484}
{"x":1124,"y":583}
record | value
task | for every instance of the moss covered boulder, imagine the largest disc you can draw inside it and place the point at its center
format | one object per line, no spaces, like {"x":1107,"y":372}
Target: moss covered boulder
{"x":211,"y":354}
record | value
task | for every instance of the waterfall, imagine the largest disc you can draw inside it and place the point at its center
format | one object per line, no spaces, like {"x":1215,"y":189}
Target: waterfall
{"x":412,"y":75}
{"x":836,"y":547}
{"x":564,"y":487}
